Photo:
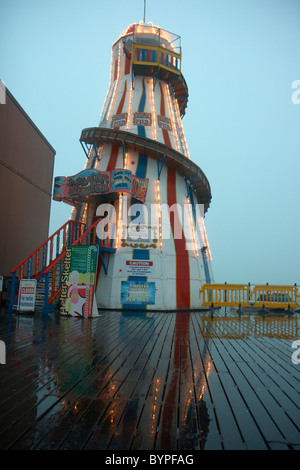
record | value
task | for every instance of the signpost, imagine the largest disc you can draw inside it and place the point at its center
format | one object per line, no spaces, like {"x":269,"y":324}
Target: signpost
{"x":27,"y":293}
{"x":139,"y":267}
{"x":137,"y":293}
{"x":78,"y":281}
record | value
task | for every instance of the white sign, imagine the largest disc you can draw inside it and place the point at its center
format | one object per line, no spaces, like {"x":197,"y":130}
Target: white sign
{"x":27,"y":291}
{"x":139,"y":267}
{"x":1,"y":283}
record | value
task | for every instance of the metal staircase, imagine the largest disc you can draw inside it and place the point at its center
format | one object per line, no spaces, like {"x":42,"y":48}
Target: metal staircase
{"x":45,"y":263}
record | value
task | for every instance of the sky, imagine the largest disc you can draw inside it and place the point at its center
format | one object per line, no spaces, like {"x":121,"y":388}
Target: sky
{"x":240,"y":59}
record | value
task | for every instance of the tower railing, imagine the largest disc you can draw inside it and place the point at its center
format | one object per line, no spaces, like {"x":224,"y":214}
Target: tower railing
{"x":144,"y":54}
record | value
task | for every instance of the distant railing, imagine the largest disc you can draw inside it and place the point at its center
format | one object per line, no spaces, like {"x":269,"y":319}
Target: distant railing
{"x":243,"y":295}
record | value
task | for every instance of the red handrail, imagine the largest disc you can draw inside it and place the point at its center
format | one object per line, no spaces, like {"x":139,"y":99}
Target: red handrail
{"x":105,"y":243}
{"x":63,"y":227}
{"x":55,"y":261}
{"x":52,"y":265}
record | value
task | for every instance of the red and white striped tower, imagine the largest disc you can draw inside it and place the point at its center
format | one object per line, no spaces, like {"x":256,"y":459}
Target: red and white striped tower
{"x":161,"y":259}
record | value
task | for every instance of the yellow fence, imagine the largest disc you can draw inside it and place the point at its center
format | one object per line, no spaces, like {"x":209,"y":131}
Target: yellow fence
{"x":243,"y":295}
{"x":231,"y":327}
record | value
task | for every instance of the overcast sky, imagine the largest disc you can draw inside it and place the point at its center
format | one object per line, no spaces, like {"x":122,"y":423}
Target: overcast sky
{"x":242,"y":124}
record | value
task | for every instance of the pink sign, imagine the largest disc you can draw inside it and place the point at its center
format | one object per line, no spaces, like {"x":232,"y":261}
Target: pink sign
{"x":94,"y":182}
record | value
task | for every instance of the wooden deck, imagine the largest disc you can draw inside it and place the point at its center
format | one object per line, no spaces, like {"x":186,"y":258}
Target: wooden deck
{"x":164,"y":381}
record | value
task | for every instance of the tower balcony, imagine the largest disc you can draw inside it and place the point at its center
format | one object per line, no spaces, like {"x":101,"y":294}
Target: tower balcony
{"x":99,"y":136}
{"x":161,"y":63}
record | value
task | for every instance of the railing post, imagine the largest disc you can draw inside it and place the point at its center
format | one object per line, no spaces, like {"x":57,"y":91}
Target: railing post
{"x":73,"y":235}
{"x":45,"y":252}
{"x":57,"y":244}
{"x":29,"y":267}
{"x":51,"y":250}
{"x":12,"y":293}
{"x":69,"y":234}
{"x":53,"y":283}
{"x":37,"y":263}
{"x":46,"y":292}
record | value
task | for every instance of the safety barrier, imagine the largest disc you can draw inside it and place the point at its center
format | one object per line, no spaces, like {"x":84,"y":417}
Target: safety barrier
{"x":243,"y":295}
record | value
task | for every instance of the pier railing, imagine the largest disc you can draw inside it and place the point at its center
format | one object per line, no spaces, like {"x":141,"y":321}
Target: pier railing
{"x":245,"y":295}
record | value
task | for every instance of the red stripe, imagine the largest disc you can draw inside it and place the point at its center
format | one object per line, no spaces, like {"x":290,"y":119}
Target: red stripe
{"x":121,"y":104}
{"x":122,"y":100}
{"x":180,"y":362}
{"x":165,"y":133}
{"x":162,"y":101}
{"x":127,"y":65}
{"x":182,"y":257}
{"x":113,"y":158}
{"x":116,"y":69}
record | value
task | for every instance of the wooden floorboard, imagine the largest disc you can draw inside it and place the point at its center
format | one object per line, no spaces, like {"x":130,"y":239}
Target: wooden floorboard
{"x":206,"y":380}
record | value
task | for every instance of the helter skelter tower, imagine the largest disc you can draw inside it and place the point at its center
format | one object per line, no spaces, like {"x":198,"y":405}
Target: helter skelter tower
{"x":160,"y":255}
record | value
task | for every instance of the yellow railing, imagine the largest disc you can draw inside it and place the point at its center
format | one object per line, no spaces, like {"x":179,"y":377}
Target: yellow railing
{"x":232,"y":327}
{"x":243,"y":295}
{"x":143,"y":54}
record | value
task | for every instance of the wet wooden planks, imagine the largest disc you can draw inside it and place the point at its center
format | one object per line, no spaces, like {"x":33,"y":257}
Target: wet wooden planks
{"x":261,"y":385}
{"x":161,"y":381}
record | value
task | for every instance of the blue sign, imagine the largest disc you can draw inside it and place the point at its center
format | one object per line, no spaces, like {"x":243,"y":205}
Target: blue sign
{"x":137,"y":293}
{"x":120,"y":180}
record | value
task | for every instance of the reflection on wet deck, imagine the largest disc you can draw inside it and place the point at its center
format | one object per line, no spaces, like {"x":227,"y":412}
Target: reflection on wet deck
{"x":162,"y":381}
